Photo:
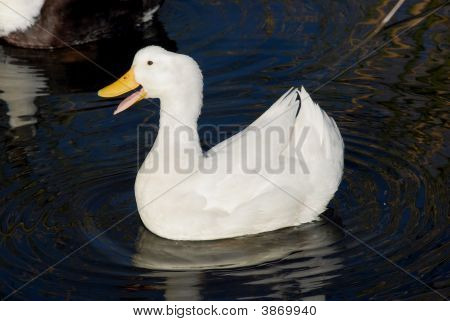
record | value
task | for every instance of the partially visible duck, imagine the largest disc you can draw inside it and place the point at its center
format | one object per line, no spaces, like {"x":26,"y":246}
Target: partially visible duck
{"x":50,"y":24}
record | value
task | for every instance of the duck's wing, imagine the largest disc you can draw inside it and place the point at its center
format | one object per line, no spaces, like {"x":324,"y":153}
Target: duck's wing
{"x":309,"y":152}
{"x":268,"y":135}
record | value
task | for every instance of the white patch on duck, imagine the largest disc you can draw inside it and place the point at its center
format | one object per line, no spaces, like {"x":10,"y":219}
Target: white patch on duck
{"x":18,"y":14}
{"x":148,"y":15}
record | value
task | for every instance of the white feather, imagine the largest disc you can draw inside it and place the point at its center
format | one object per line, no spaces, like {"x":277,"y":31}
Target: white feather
{"x":18,"y":14}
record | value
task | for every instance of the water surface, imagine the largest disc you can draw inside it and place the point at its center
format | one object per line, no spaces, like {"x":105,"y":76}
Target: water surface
{"x":68,"y":165}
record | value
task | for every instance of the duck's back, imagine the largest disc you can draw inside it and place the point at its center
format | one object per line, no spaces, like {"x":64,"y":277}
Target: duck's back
{"x":281,"y":171}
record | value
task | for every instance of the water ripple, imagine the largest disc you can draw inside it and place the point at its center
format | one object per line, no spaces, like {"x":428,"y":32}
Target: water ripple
{"x":68,"y":170}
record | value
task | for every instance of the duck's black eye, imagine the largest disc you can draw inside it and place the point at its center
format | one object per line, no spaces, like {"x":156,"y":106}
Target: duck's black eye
{"x":149,"y":63}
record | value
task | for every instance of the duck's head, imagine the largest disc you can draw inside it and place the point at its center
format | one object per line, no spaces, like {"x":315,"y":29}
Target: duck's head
{"x":161,"y":73}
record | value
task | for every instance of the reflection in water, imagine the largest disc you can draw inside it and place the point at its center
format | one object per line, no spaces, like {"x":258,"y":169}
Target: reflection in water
{"x":20,"y":84}
{"x":27,"y":73}
{"x":291,"y":245}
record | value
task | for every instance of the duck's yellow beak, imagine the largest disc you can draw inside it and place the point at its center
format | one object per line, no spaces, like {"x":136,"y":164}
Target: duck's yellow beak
{"x":123,"y":85}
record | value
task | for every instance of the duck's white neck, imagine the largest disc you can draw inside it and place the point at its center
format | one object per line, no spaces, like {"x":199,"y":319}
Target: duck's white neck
{"x":177,"y":135}
{"x":180,"y":111}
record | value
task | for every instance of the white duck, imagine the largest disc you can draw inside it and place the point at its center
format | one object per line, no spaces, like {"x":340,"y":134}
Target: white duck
{"x":250,"y":183}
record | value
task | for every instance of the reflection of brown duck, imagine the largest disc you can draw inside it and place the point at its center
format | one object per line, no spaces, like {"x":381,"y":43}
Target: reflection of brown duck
{"x":27,"y":74}
{"x":56,"y":23}
{"x":20,"y":84}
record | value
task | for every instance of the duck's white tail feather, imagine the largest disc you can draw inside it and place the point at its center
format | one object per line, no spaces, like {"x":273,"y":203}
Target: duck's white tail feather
{"x":317,"y":144}
{"x":324,"y":132}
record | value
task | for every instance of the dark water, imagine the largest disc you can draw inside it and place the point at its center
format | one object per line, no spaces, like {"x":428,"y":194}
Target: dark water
{"x":68,"y":166}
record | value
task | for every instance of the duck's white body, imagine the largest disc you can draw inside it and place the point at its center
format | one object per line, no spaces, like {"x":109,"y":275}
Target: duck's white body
{"x":247,"y":184}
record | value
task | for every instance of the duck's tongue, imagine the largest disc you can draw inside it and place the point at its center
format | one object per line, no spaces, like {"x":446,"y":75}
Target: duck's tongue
{"x":130,"y":100}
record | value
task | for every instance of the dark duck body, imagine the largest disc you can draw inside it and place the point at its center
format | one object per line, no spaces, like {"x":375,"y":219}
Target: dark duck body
{"x":47,"y":24}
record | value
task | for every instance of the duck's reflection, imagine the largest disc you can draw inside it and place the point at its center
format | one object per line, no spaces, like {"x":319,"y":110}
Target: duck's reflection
{"x":20,"y":84}
{"x":303,"y":256}
{"x":26,"y":74}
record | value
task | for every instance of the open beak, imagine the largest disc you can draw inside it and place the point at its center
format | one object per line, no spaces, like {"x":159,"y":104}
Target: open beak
{"x":123,"y":85}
